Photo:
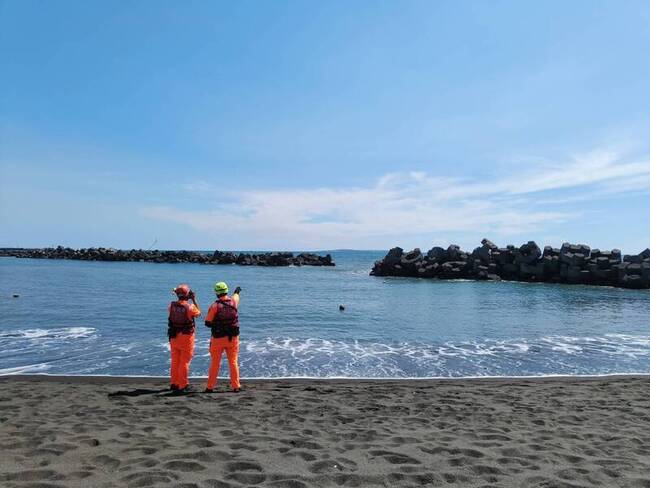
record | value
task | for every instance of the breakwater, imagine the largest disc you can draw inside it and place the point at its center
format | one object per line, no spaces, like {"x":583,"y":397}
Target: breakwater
{"x":572,"y":263}
{"x":135,"y":255}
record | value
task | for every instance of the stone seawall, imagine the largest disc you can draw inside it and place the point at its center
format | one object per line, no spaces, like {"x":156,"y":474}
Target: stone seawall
{"x":572,"y":263}
{"x":134,"y":255}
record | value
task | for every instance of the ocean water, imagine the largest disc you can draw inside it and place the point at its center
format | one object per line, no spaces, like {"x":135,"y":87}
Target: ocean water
{"x":83,"y":318}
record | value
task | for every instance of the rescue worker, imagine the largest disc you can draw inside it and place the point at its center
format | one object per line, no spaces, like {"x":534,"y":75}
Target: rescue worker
{"x":180,"y":330}
{"x":223,"y":319}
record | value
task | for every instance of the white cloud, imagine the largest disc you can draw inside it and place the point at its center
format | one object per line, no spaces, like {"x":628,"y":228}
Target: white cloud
{"x":593,"y":168}
{"x":399,"y":205}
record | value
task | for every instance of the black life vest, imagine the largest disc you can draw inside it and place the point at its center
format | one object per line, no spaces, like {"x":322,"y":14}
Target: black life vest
{"x":180,"y":318}
{"x":226,"y":319}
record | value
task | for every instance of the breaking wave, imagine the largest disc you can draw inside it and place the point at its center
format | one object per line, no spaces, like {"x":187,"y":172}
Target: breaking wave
{"x":322,"y":358}
{"x":548,"y":355}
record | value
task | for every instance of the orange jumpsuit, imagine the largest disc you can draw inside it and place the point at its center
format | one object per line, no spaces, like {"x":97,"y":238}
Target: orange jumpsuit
{"x":182,"y":350}
{"x":217,"y":347}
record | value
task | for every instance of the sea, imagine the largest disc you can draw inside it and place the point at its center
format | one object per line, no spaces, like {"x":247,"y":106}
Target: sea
{"x":110,"y":318}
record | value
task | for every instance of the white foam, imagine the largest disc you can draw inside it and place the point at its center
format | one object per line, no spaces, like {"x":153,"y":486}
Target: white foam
{"x":30,"y":368}
{"x":359,"y":378}
{"x":290,"y":357}
{"x":313,"y":357}
{"x":59,"y":333}
{"x":415,"y":350}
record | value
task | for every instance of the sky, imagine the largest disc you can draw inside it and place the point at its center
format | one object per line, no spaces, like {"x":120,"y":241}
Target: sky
{"x":303,"y":125}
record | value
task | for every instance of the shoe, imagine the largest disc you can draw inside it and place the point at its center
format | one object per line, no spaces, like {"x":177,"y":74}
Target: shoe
{"x":236,"y":390}
{"x":173,"y":387}
{"x":208,"y":390}
{"x":186,"y":389}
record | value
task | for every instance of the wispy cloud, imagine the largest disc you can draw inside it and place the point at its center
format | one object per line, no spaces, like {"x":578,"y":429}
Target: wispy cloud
{"x":412,"y":203}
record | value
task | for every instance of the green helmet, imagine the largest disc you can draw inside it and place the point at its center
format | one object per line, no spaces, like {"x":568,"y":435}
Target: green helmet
{"x":221,"y":288}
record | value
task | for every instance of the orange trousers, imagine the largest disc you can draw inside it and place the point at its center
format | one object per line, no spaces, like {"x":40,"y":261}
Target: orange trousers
{"x":182,"y":351}
{"x":217,"y":347}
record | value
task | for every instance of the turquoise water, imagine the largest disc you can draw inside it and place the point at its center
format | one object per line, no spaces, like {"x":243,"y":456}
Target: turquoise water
{"x":78,"y":317}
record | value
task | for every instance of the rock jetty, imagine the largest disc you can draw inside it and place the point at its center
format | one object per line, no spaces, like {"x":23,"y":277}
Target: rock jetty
{"x":134,"y":255}
{"x":572,"y":263}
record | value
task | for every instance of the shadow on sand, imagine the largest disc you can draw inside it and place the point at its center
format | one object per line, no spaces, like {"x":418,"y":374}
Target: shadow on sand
{"x":142,"y":391}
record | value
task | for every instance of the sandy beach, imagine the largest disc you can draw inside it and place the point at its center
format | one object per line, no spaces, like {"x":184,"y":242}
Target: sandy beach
{"x":104,"y":432}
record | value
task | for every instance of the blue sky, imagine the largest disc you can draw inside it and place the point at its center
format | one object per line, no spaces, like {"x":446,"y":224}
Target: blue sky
{"x":320,"y":125}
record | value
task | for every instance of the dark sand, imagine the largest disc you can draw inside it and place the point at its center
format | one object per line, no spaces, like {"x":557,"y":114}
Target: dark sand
{"x":559,"y":432}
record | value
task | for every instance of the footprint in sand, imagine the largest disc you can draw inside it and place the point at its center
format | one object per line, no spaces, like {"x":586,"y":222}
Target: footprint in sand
{"x":287,"y":484}
{"x":395,"y":457}
{"x":201,"y":442}
{"x":302,"y":444}
{"x":148,"y":451}
{"x":243,"y":466}
{"x":472,"y":453}
{"x":324,"y":467}
{"x":149,"y":478}
{"x":139,"y":463}
{"x":305,"y":456}
{"x":395,"y":478}
{"x":80,"y":475}
{"x":215,"y":484}
{"x":245,"y":472}
{"x":236,"y":446}
{"x":449,"y":477}
{"x":32,"y":475}
{"x":460,"y":461}
{"x":107,"y":461}
{"x":508,"y":461}
{"x":350,"y":480}
{"x":399,"y":440}
{"x":426,"y":479}
{"x":483,"y":469}
{"x":247,"y":478}
{"x":210,"y":456}
{"x":91,"y":442}
{"x":185,"y":466}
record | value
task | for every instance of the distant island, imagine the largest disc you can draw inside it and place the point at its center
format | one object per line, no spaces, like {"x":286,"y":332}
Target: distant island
{"x":135,"y":255}
{"x":572,"y":263}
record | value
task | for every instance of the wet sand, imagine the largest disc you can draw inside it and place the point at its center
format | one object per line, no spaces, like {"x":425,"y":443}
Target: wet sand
{"x":105,"y":432}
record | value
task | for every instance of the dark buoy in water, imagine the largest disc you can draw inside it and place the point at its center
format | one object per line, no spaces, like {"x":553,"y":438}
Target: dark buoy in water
{"x":341,"y":308}
{"x":15,"y":295}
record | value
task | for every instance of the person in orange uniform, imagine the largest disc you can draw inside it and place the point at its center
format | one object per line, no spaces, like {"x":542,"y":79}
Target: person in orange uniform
{"x":223,"y":319}
{"x":180,"y":330}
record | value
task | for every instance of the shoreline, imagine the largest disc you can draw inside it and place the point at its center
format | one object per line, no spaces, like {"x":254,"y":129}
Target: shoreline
{"x":300,"y":379}
{"x":76,"y":431}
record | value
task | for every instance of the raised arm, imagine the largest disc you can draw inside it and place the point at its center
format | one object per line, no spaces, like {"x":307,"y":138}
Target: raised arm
{"x":196,"y":304}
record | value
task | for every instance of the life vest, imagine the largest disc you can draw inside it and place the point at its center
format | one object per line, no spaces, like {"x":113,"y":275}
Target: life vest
{"x":226,"y":319}
{"x":180,"y":318}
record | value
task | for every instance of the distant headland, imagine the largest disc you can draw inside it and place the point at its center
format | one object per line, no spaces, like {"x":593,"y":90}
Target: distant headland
{"x":135,"y":255}
{"x":572,"y":263}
